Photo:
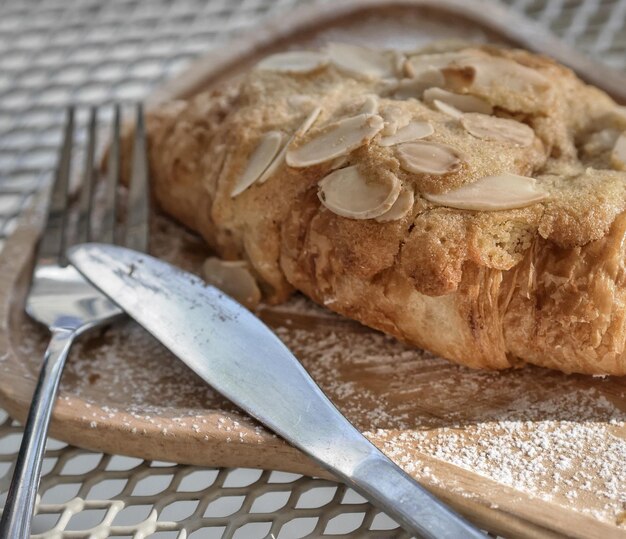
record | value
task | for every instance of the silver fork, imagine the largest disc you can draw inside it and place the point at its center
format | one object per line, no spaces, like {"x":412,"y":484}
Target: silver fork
{"x":61,"y":299}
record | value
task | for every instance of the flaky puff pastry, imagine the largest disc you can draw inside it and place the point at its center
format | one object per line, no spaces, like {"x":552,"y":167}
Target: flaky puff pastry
{"x":542,"y":283}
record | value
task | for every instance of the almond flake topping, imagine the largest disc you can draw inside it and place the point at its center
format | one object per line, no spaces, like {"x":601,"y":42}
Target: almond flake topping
{"x":347,"y":193}
{"x":489,"y":72}
{"x":419,"y":63}
{"x":362,"y":61}
{"x":464,"y":103}
{"x":234,"y":278}
{"x":447,"y":109}
{"x":293,"y":62}
{"x":499,"y":129}
{"x":280,"y":158}
{"x":492,"y":193}
{"x":395,"y":118}
{"x":429,"y":157}
{"x":400,"y":208}
{"x":335,"y":140}
{"x":261,"y":158}
{"x":339,"y":162}
{"x":414,"y":87}
{"x":618,"y":155}
{"x":361,"y":104}
{"x":413,"y":131}
{"x":369,"y":105}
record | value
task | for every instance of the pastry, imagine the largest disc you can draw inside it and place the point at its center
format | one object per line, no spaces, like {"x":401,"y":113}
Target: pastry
{"x":469,"y":200}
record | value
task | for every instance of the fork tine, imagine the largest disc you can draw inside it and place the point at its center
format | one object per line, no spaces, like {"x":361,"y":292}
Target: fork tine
{"x":107,"y":232}
{"x":84,"y":232}
{"x":52,"y":244}
{"x":138,"y":214}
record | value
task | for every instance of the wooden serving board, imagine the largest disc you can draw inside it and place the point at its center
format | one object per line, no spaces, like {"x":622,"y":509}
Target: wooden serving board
{"x":525,"y":453}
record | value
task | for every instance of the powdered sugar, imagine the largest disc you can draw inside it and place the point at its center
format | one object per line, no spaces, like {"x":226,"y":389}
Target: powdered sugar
{"x":545,"y":435}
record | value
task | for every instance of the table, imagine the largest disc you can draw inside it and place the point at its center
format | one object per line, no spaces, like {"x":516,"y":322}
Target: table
{"x":53,"y":52}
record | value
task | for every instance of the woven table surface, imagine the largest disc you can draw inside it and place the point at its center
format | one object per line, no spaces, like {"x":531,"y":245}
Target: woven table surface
{"x":56,"y":52}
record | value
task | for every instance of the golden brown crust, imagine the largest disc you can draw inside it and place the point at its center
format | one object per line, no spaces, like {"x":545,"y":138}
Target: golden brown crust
{"x":568,"y":310}
{"x":541,"y":284}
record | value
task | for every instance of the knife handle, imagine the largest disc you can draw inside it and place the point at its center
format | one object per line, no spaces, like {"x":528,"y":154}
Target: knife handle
{"x":378,"y":478}
{"x":317,"y":427}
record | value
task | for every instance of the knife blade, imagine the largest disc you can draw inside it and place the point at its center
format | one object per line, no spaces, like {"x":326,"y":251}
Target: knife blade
{"x":240,"y":357}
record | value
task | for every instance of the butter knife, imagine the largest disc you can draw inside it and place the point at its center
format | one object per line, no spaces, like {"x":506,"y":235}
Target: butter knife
{"x":239,"y":356}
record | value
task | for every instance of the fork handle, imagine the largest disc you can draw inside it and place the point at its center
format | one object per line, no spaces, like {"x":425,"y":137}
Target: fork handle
{"x":20,"y":502}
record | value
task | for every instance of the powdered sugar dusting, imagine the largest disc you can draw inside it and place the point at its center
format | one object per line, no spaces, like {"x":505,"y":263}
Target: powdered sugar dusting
{"x":544,"y":434}
{"x":556,"y":437}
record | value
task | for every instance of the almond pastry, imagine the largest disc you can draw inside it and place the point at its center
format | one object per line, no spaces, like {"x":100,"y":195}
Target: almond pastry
{"x":471,"y":202}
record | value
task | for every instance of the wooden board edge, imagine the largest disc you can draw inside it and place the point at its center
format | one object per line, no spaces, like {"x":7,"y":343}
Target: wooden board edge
{"x":530,"y":518}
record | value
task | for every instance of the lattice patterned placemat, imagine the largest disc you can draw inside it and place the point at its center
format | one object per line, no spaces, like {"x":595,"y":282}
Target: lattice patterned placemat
{"x":53,"y":52}
{"x":87,"y":494}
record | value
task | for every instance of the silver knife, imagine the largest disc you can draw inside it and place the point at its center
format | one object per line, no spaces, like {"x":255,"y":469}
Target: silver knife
{"x":239,"y":356}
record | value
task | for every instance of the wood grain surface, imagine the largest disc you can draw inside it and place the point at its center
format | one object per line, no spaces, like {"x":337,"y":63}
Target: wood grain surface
{"x":525,"y":453}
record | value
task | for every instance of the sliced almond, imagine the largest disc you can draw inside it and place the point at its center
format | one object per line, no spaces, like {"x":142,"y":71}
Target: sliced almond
{"x":362,"y":61}
{"x":280,"y":158}
{"x":362,"y":104}
{"x":414,"y":87}
{"x":399,"y":62}
{"x":261,"y":158}
{"x":424,"y":62}
{"x":234,"y":278}
{"x":451,"y":45}
{"x":412,"y":131}
{"x":492,"y":193}
{"x":369,"y":105}
{"x":464,"y":103}
{"x":447,"y":109}
{"x":429,"y":157}
{"x":395,"y":118}
{"x":400,"y":208}
{"x":293,"y":62}
{"x":308,"y":122}
{"x":339,"y":162}
{"x":488,"y":72}
{"x":499,"y":129}
{"x":335,"y":140}
{"x":618,"y":155}
{"x":347,"y":193}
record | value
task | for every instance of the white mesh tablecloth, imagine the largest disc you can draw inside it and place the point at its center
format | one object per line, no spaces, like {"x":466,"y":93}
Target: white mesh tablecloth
{"x":55,"y":52}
